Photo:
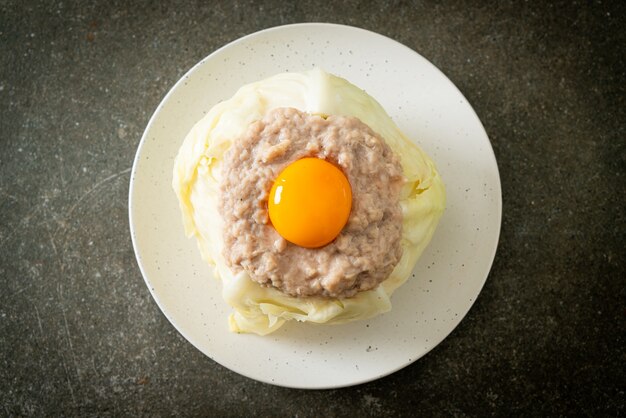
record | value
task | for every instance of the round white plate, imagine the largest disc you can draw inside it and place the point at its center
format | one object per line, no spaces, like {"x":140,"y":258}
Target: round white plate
{"x":447,"y":278}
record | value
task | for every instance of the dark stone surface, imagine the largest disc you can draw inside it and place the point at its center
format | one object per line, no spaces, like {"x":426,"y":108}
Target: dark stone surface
{"x":79,"y":332}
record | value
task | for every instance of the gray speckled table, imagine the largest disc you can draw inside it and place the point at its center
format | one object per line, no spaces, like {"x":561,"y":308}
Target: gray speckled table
{"x":79,"y":331}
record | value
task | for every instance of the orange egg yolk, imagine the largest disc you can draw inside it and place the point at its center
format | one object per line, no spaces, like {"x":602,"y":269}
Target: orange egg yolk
{"x":310,"y":202}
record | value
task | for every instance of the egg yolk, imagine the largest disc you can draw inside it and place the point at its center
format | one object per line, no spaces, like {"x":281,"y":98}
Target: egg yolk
{"x":310,"y":202}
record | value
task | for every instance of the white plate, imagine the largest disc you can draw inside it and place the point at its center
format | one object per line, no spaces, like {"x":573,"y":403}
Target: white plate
{"x":448,"y":277}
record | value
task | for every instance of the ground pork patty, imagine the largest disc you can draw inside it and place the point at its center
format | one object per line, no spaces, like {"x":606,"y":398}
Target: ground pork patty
{"x":366,"y":250}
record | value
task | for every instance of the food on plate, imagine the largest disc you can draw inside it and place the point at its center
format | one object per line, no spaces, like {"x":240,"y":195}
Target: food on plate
{"x":307,"y":198}
{"x":327,"y":173}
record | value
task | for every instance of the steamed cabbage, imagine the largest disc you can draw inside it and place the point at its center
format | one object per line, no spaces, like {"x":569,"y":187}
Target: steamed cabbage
{"x":262,"y":310}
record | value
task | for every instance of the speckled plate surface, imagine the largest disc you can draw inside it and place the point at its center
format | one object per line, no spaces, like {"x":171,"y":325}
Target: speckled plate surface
{"x":448,"y":277}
